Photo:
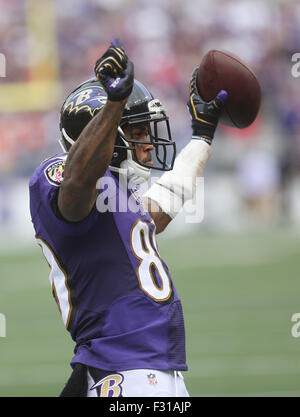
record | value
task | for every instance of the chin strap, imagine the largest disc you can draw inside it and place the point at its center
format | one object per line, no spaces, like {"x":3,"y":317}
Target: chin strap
{"x":136,"y":173}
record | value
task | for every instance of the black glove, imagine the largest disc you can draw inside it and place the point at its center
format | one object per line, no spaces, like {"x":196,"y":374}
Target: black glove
{"x":115,"y":72}
{"x":205,"y":116}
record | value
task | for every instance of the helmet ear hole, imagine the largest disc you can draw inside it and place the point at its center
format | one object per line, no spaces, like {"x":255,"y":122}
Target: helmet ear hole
{"x":120,"y":152}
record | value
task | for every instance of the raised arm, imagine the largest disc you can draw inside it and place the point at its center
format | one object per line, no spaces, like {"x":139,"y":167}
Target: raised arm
{"x":89,"y":157}
{"x":167,"y":196}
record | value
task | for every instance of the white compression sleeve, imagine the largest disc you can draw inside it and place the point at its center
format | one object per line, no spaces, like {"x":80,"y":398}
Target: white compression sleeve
{"x":176,"y":187}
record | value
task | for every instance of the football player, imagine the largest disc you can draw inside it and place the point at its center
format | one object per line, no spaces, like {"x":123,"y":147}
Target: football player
{"x":114,"y":292}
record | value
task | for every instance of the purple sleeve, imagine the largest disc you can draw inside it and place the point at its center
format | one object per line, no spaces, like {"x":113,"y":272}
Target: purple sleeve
{"x":44,"y":188}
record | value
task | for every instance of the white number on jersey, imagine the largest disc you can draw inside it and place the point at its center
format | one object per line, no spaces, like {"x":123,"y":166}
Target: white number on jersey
{"x":58,"y":281}
{"x":149,"y":261}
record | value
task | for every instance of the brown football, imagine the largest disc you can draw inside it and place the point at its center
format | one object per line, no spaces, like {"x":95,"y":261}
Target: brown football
{"x":220,"y":70}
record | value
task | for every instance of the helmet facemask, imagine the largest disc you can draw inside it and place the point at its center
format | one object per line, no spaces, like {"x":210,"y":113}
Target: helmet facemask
{"x":158,"y":143}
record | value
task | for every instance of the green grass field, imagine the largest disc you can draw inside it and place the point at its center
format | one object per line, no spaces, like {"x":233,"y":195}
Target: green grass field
{"x":238,"y":293}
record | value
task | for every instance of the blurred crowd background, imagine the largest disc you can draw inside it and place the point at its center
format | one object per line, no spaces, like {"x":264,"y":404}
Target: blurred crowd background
{"x":50,"y":46}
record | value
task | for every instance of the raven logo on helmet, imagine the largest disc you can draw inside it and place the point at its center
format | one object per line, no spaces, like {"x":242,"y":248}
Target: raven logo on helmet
{"x":81,"y":101}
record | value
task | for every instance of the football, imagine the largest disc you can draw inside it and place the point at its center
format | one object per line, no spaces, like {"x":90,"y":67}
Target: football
{"x":220,"y":70}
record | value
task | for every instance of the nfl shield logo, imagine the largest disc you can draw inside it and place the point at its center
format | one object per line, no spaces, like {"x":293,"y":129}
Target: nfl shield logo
{"x":152,"y":379}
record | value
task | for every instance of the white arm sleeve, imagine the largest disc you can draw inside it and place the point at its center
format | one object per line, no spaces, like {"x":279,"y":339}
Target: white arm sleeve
{"x":176,"y":187}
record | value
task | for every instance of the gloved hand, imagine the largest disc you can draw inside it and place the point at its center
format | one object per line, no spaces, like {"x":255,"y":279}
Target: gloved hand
{"x":205,"y":116}
{"x":115,"y":72}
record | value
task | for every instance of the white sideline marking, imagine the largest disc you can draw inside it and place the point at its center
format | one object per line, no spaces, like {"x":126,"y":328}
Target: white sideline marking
{"x":2,"y":325}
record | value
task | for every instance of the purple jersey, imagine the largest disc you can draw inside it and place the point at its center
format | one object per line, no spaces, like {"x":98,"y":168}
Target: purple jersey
{"x":113,"y":291}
